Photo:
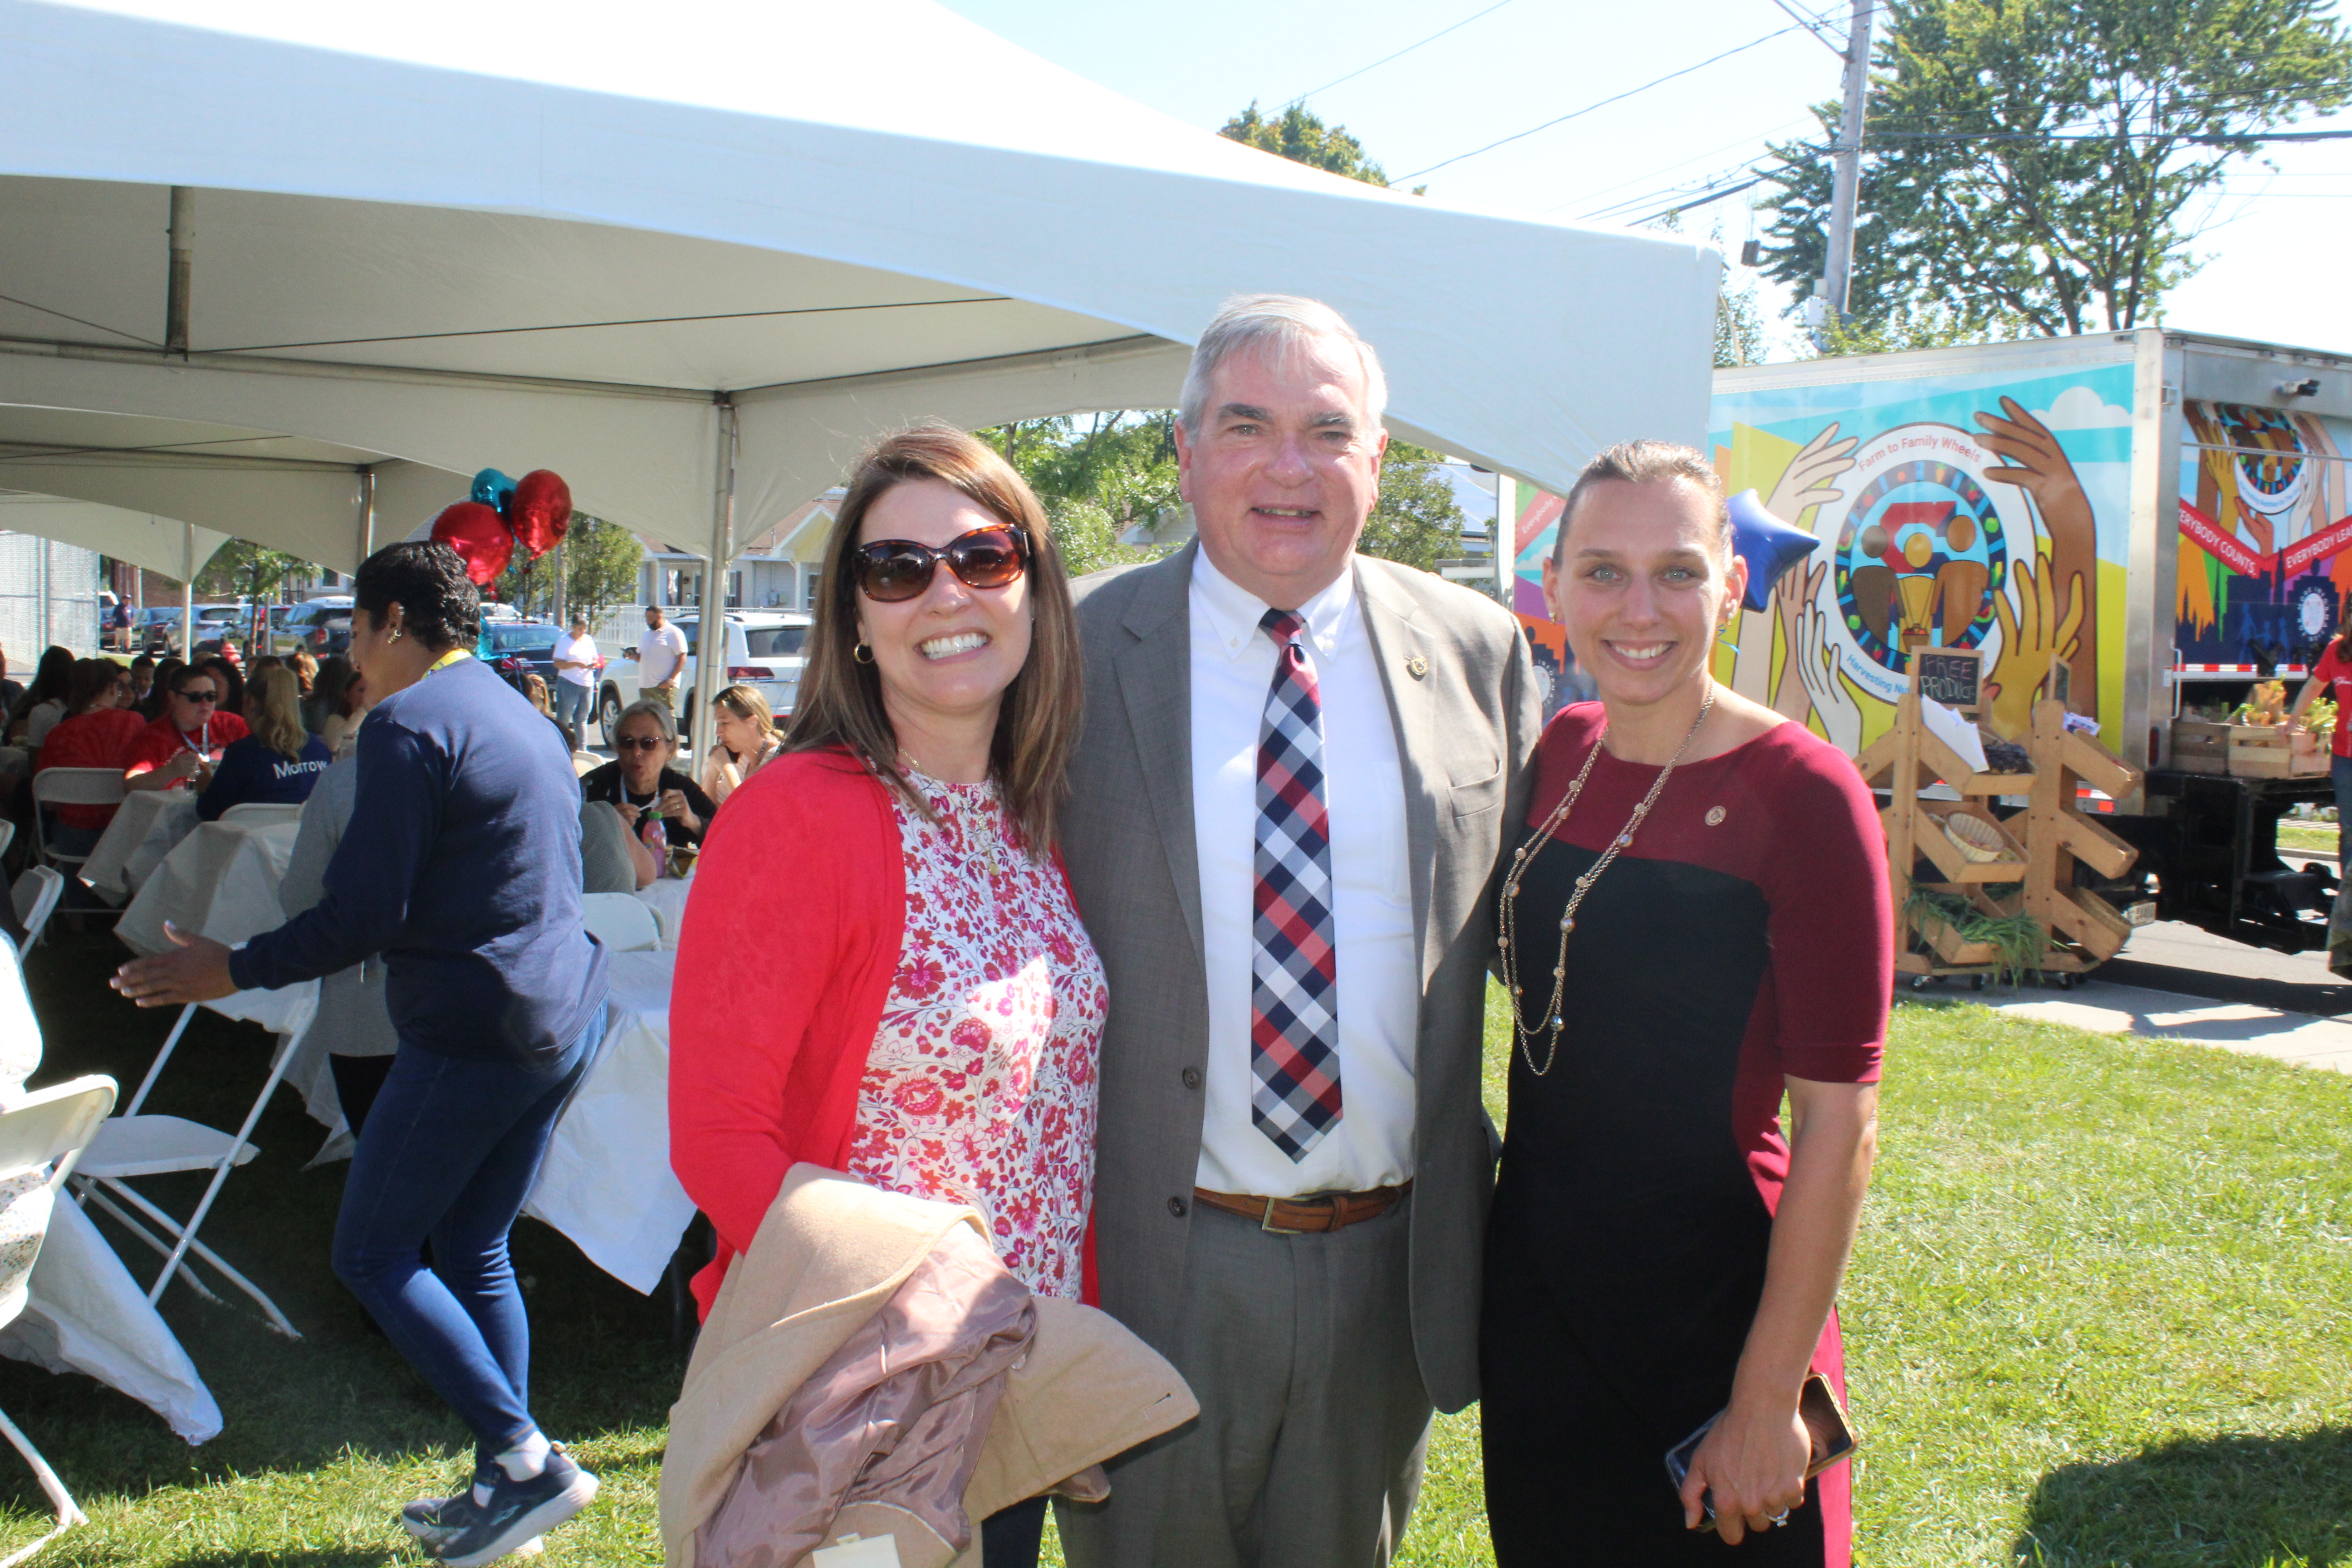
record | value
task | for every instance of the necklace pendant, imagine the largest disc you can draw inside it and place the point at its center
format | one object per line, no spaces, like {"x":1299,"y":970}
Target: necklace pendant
{"x":1566,"y":924}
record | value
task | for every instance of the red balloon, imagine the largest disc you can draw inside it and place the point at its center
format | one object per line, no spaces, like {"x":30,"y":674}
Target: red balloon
{"x":479,"y":535}
{"x":539,"y":510}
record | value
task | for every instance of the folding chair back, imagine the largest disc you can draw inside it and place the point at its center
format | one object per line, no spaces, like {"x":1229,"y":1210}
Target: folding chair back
{"x":20,"y":1031}
{"x":49,"y":1127}
{"x":622,"y":922}
{"x":71,"y":786}
{"x":52,"y":1125}
{"x":36,"y":897}
{"x":585,"y":762}
{"x":259,"y":813}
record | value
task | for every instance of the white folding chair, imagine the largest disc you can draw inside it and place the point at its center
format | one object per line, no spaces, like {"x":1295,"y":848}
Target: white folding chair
{"x":71,"y":786}
{"x":133,"y":1145}
{"x":41,"y":1135}
{"x":261,"y":813}
{"x":622,"y":922}
{"x":35,"y":898}
{"x":583,"y":763}
{"x":8,"y":835}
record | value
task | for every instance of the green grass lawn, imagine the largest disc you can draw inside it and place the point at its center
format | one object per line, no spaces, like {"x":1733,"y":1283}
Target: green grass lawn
{"x":2101,"y":1315}
{"x":2307,"y":835}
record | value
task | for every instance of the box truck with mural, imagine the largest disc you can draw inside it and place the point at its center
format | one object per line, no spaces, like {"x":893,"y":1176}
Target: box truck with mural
{"x":2146,"y":523}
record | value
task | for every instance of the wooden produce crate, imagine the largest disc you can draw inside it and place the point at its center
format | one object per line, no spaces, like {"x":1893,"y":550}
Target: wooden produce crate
{"x":2275,"y":752}
{"x":2200,"y":746}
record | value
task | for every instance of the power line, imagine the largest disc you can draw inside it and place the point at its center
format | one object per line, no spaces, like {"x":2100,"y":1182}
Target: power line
{"x":2210,"y":139}
{"x":1604,"y":103}
{"x":1703,"y":199}
{"x":1819,"y":27}
{"x":1402,"y":52}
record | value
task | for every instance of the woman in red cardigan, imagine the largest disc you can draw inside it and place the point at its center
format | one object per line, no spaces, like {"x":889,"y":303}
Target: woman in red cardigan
{"x":916,"y":1005}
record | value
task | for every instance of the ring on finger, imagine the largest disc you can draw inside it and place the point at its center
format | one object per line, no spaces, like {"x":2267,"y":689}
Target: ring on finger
{"x":1779,"y":1518}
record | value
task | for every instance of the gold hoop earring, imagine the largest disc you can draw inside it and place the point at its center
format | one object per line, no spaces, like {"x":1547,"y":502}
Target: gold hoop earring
{"x":862,"y":654}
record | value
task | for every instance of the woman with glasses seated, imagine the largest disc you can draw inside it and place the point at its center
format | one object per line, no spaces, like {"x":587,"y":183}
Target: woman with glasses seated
{"x":641,"y":784}
{"x":932,"y":1023}
{"x":187,"y":738}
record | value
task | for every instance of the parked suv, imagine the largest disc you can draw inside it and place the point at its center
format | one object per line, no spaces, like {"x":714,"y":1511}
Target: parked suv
{"x":322,"y":626}
{"x":521,"y":647}
{"x":765,"y":648}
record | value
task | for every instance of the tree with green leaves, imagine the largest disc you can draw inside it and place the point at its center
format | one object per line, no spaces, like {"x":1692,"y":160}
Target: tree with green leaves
{"x":2036,"y":166}
{"x":600,"y":570}
{"x":243,"y":570}
{"x":1302,"y":138}
{"x":1418,"y":521}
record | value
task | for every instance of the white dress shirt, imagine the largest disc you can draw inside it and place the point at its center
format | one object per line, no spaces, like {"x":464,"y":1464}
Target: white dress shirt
{"x":1377,"y":967}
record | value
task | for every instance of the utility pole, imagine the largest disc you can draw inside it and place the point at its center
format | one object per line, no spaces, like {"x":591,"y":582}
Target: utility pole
{"x":1838,"y":277}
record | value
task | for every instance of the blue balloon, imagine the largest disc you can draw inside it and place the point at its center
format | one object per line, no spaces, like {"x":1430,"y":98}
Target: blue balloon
{"x":493,"y":489}
{"x":1769,"y":546}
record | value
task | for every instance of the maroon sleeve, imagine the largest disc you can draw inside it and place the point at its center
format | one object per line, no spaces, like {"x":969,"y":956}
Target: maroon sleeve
{"x":1831,"y":929}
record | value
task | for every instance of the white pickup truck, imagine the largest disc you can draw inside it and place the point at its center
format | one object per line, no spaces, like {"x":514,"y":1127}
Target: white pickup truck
{"x":765,"y":648}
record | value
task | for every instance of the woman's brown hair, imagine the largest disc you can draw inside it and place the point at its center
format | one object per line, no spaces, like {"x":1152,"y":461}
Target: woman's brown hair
{"x":278,"y":711}
{"x":1038,"y":727}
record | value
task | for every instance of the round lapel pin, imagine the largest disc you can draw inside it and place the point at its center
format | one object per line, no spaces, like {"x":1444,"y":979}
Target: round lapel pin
{"x":1417,"y":666}
{"x":1715,"y":815}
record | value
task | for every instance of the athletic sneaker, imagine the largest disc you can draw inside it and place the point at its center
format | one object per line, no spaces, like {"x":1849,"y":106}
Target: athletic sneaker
{"x":435,"y":1519}
{"x":519,"y":1512}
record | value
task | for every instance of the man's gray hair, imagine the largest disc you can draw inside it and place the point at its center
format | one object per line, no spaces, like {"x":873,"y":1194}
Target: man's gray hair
{"x":1289,"y":324}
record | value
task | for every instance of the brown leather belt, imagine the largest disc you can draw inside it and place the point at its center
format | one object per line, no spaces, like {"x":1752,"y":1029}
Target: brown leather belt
{"x":1306,"y":1216}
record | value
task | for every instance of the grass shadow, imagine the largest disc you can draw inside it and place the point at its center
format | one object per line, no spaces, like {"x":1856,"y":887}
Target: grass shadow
{"x":2226,"y":1503}
{"x":603,"y":1369}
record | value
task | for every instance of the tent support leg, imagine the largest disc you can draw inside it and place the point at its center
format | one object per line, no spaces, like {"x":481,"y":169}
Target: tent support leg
{"x":711,"y":641}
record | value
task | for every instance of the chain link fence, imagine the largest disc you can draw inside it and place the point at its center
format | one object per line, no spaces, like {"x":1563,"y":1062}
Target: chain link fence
{"x":48,"y":594}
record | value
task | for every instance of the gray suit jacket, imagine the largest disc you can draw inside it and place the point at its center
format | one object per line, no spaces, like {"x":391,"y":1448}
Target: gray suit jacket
{"x":1461,"y":688}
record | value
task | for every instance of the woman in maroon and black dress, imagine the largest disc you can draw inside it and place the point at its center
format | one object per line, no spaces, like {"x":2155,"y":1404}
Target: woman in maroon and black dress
{"x":1700,"y":932}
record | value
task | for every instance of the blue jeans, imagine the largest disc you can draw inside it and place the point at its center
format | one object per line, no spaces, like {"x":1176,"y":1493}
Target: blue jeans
{"x":571,"y":705}
{"x":449,"y":1151}
{"x":2339,"y":772}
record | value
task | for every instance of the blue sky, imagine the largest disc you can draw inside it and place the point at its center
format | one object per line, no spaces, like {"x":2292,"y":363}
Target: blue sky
{"x":2276,"y":242}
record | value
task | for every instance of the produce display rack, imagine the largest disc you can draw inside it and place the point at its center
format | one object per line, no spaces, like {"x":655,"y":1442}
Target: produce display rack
{"x":2036,"y":872}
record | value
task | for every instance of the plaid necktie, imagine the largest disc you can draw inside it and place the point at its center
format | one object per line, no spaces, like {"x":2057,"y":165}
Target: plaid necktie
{"x":1293,"y":986}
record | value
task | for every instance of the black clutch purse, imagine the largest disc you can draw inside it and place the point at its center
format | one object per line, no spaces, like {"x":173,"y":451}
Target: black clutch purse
{"x":1824,"y":1420}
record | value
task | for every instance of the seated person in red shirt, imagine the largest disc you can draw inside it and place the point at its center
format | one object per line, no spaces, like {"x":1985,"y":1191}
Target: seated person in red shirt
{"x":186,"y":738}
{"x":279,"y":763}
{"x":96,"y":734}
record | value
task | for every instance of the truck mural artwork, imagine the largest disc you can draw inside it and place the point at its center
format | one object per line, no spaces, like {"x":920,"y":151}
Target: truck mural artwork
{"x":2156,"y":518}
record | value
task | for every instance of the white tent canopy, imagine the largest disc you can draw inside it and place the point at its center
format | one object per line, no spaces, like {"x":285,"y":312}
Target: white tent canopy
{"x":175,"y":549}
{"x":692,"y":258}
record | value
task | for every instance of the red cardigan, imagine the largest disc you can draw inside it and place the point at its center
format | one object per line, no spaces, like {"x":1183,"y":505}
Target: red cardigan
{"x":785,"y":957}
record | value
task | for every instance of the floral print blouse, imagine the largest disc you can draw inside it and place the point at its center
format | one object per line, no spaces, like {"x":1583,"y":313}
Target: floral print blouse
{"x":980,"y":1085}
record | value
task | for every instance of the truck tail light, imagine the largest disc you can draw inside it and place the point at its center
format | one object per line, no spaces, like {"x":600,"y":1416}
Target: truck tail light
{"x":750,"y":672}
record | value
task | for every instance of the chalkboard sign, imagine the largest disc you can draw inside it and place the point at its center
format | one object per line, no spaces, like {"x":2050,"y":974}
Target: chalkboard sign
{"x":1951,"y":676}
{"x":2060,"y":687}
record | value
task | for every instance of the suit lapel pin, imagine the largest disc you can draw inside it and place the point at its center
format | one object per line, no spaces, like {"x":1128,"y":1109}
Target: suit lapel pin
{"x":1417,"y":666}
{"x":1715,"y":817}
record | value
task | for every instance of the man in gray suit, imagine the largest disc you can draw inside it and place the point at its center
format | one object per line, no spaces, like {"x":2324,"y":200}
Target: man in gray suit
{"x":1300,"y":770}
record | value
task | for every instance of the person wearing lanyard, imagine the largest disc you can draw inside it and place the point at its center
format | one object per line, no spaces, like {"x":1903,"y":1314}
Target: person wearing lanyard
{"x":461,"y":867}
{"x":186,"y":738}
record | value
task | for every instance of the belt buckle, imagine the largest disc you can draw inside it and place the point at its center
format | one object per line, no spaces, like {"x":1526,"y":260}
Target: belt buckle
{"x":1267,"y":1223}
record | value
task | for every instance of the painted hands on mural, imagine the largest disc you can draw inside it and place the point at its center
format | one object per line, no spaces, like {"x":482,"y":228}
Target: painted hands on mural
{"x":1811,"y":685}
{"x":2031,"y":636}
{"x":2038,"y":465}
{"x":1805,"y":482}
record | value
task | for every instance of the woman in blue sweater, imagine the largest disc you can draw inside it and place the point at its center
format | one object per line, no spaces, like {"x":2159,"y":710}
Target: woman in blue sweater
{"x":461,"y":865}
{"x":275,"y":765}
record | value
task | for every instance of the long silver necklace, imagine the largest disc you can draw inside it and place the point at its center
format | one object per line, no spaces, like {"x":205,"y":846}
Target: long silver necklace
{"x":1508,"y":916}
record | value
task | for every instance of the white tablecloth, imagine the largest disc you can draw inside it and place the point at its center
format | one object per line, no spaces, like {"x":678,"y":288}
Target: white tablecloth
{"x":147,"y":827}
{"x":607,"y":1184}
{"x":668,"y":899}
{"x":222,"y":882}
{"x":84,"y":1313}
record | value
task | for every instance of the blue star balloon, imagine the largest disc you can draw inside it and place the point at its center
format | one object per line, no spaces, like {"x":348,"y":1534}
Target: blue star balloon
{"x":1769,"y":546}
{"x":493,"y":489}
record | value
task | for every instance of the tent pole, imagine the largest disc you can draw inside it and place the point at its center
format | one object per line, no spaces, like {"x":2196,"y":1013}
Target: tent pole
{"x":1507,"y":536}
{"x":188,"y":597}
{"x":367,"y":517}
{"x":711,"y":641}
{"x":183,"y":247}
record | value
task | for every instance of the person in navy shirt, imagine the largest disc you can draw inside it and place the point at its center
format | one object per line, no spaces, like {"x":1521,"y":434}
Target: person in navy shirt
{"x":461,"y":867}
{"x":275,"y":765}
